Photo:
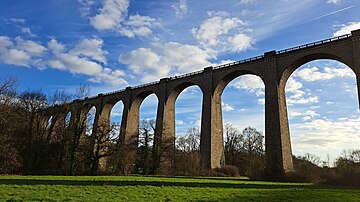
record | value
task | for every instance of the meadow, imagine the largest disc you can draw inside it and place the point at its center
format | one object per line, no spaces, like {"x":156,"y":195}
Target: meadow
{"x":141,"y":188}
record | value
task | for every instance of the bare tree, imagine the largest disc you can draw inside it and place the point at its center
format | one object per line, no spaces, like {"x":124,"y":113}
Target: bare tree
{"x":11,"y":143}
{"x":312,"y":158}
{"x":82,"y":91}
{"x":253,"y":141}
{"x":7,"y":85}
{"x":233,"y":143}
{"x":146,"y":138}
{"x":101,"y":145}
{"x":32,"y":104}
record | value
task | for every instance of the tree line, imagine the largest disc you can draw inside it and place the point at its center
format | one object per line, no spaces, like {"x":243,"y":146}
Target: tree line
{"x":33,"y":142}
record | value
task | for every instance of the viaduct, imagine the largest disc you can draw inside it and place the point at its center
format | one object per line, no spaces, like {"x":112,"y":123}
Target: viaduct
{"x":274,"y":68}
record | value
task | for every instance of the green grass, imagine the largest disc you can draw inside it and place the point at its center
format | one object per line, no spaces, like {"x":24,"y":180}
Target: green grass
{"x":136,"y":188}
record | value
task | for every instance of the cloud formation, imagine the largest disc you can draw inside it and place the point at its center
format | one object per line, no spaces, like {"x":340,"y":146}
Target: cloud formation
{"x":113,"y":16}
{"x":180,"y":8}
{"x":161,"y":60}
{"x":20,"y":52}
{"x":221,"y":32}
{"x":346,"y":28}
{"x":110,"y":14}
{"x":333,"y":1}
{"x":314,"y":73}
{"x":87,"y":57}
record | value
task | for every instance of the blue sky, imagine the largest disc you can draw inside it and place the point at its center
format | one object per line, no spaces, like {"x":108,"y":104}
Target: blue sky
{"x":111,"y":44}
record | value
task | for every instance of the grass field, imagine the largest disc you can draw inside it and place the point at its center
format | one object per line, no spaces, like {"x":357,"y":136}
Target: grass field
{"x":136,"y":188}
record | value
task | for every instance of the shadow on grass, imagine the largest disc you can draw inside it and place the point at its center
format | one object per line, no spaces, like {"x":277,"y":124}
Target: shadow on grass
{"x":154,"y":183}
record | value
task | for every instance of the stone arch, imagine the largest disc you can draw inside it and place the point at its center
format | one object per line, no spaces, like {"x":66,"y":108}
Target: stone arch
{"x":107,"y":108}
{"x":175,"y":92}
{"x":298,"y":65}
{"x":174,"y":102}
{"x":132,"y":127}
{"x":224,"y":81}
{"x":170,"y":105}
{"x":217,"y":101}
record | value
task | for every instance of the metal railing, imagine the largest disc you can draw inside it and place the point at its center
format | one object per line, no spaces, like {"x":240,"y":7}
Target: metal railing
{"x":116,"y":91}
{"x":186,"y":75}
{"x":146,"y":84}
{"x":313,"y":44}
{"x":238,"y":62}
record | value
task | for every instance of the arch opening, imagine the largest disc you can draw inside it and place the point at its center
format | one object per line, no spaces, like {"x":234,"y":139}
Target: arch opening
{"x":243,"y":116}
{"x":67,"y":119}
{"x":188,"y":107}
{"x":90,"y":119}
{"x":146,"y":126}
{"x":50,"y":121}
{"x":116,"y":113}
{"x":322,"y":102}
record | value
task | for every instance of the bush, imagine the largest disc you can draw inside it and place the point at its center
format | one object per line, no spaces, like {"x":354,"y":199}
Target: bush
{"x":228,"y":170}
{"x":346,"y":175}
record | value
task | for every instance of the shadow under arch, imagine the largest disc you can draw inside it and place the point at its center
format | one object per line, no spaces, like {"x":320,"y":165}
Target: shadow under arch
{"x":319,"y":111}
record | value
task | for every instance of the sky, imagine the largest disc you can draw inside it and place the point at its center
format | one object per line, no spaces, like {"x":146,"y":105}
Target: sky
{"x":111,"y":44}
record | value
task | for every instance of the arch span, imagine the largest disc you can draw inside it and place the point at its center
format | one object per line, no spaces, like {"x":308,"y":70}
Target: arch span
{"x":319,"y":89}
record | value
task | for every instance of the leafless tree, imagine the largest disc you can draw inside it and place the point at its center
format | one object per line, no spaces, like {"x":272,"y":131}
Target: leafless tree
{"x":253,"y":141}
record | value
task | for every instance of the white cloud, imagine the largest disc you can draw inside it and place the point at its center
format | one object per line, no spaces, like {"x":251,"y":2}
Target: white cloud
{"x":113,"y":16}
{"x":333,"y":1}
{"x":110,"y":14}
{"x":307,"y":115}
{"x":92,"y":48}
{"x":161,"y":59}
{"x":20,"y":52}
{"x":302,"y":100}
{"x":30,"y":47}
{"x":297,"y":96}
{"x":293,"y":85}
{"x":321,"y":135}
{"x":180,"y":8}
{"x":27,"y":30}
{"x":346,"y":28}
{"x":220,"y":32}
{"x":85,"y":7}
{"x":227,"y":107}
{"x":16,"y":20}
{"x":249,"y":83}
{"x":261,"y":101}
{"x":247,"y":1}
{"x":84,"y":58}
{"x":314,"y":74}
{"x":137,"y":25}
{"x":180,"y":122}
{"x":16,"y":57}
{"x":240,"y":42}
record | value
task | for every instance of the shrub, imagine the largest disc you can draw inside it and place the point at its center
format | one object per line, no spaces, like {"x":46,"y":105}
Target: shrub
{"x":228,"y":170}
{"x":345,"y":175}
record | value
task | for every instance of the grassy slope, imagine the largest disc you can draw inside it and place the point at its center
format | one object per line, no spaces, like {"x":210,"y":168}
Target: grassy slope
{"x":133,"y":188}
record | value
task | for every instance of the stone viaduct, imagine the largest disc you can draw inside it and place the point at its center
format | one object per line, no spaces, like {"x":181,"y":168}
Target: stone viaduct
{"x":274,"y":68}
